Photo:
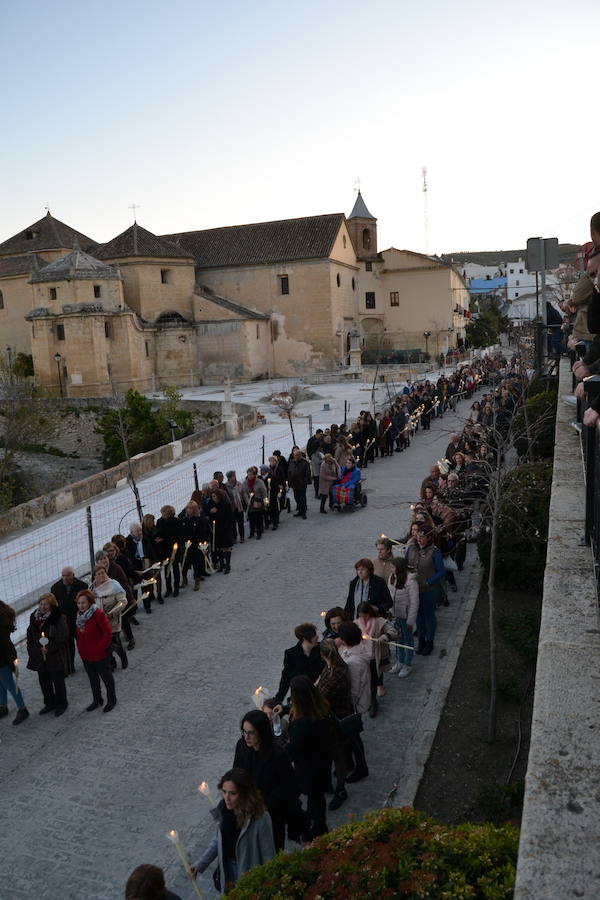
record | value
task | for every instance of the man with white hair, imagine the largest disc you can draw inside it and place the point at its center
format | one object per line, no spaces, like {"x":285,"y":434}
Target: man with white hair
{"x":65,"y":592}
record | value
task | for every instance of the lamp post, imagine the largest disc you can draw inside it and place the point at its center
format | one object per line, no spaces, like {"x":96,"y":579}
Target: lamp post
{"x":427,"y":335}
{"x":58,"y":358}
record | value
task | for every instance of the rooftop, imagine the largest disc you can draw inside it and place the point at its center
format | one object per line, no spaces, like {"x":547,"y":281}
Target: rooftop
{"x":359,"y":210}
{"x":76,"y":265}
{"x":47,"y":234}
{"x":137,"y":241}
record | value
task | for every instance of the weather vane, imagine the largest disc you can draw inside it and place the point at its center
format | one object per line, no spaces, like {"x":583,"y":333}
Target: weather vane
{"x":357,"y":185}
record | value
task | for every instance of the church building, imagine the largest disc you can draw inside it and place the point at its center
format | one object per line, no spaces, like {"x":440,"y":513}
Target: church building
{"x":247,"y":301}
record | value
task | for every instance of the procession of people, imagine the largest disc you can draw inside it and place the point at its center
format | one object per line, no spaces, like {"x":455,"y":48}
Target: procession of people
{"x":304,"y":742}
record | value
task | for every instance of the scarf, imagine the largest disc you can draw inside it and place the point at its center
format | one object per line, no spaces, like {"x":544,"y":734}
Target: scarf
{"x":361,"y":591}
{"x":41,"y":617}
{"x":82,"y":618}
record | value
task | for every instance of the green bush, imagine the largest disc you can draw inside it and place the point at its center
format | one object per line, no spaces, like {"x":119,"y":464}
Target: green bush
{"x":541,"y":385}
{"x":523,"y":528}
{"x":498,"y":801}
{"x":396,"y":853}
{"x":541,"y":412}
{"x":521,"y":632}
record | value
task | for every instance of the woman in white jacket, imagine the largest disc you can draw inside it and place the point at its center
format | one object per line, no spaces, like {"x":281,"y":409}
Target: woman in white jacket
{"x":356,"y":656}
{"x":111,"y":597}
{"x":405,"y":597}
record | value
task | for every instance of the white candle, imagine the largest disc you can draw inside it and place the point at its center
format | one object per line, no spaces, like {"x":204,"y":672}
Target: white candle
{"x":174,"y":838}
{"x":204,"y":789}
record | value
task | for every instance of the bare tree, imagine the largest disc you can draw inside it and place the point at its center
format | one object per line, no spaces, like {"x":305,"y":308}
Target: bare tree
{"x":118,"y":406}
{"x":287,"y":401}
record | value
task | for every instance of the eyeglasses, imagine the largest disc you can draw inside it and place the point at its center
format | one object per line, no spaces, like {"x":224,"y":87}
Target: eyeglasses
{"x":248,"y":733}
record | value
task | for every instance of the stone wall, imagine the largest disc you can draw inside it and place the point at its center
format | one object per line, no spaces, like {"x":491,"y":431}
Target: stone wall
{"x":560,"y":829}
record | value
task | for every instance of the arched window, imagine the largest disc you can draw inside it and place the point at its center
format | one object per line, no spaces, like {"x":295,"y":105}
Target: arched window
{"x":1,"y":300}
{"x":344,"y":240}
{"x":353,"y":284}
{"x":366,"y":239}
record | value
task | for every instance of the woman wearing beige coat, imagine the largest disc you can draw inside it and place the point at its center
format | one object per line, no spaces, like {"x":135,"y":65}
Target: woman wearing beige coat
{"x":329,"y":473}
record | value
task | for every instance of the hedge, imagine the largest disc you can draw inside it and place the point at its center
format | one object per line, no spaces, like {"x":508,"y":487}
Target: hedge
{"x":395,"y":853}
{"x":541,"y":413}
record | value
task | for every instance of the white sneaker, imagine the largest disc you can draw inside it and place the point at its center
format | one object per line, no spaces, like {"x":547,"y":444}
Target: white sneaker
{"x":395,"y":670}
{"x":404,"y":671}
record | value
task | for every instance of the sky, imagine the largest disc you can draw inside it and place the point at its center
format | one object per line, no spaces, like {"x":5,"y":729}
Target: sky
{"x":206,"y":114}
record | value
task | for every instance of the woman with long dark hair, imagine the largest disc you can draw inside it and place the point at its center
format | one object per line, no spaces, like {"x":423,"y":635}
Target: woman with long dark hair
{"x":269,"y":766}
{"x":8,"y":655}
{"x":221,"y":520}
{"x":334,"y":684}
{"x":244,"y":835}
{"x":310,"y":749}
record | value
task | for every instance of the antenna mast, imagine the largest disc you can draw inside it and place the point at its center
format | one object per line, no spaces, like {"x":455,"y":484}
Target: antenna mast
{"x":425,"y":216}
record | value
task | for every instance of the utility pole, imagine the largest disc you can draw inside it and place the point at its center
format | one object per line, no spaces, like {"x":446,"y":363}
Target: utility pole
{"x":425,"y":216}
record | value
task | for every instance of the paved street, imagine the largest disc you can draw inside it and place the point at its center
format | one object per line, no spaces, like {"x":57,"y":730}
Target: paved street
{"x":87,"y":797}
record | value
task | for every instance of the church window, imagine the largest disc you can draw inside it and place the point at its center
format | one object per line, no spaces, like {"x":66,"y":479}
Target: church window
{"x":516,"y":293}
{"x":52,"y":293}
{"x":1,"y":300}
{"x":147,"y":348}
{"x":107,"y":329}
{"x":97,"y":290}
{"x":368,"y":267}
{"x":353,"y":284}
{"x":394,"y":298}
{"x":60,"y":332}
{"x":165,"y":276}
{"x":284,"y":283}
{"x":344,"y":241}
{"x":370,"y":299}
{"x":366,"y":238}
{"x":257,"y":331}
{"x":338,"y":280}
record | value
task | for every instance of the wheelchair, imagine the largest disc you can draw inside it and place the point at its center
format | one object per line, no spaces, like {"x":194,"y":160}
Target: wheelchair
{"x":360,"y":499}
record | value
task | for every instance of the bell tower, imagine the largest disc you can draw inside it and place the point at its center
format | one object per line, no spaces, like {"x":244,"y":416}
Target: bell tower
{"x":363,"y":229}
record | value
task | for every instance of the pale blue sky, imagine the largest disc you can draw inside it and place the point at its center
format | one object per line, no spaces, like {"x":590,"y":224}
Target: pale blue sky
{"x":208,"y":114}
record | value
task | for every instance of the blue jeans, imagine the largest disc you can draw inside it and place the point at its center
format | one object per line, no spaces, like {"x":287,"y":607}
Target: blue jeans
{"x":7,"y":683}
{"x":404,"y":657}
{"x":426,"y":619}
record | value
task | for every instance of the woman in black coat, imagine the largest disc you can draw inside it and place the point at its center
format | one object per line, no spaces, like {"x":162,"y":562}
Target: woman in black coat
{"x":310,"y":749}
{"x":367,"y":588}
{"x":169,"y":532}
{"x":221,"y":519}
{"x":271,"y":770}
{"x":48,"y":649}
{"x":196,"y":530}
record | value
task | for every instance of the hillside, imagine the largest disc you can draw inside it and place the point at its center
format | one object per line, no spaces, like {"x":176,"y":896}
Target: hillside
{"x":566,"y":254}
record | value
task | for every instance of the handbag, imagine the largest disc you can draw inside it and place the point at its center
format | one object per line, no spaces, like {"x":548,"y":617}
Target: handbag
{"x":351,"y":725}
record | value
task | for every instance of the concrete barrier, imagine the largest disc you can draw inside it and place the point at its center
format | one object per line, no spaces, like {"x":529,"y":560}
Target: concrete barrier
{"x":559,"y":853}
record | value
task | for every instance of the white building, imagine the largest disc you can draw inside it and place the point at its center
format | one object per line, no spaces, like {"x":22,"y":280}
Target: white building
{"x":520,"y":282}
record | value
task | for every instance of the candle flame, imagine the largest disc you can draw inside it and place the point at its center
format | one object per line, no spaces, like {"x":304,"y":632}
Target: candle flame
{"x":365,"y":637}
{"x":172,"y":835}
{"x":175,"y":546}
{"x":43,"y":635}
{"x":204,"y":788}
{"x":17,"y":662}
{"x":323,"y":614}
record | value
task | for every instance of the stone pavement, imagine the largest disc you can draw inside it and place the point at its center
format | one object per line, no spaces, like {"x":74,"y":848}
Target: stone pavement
{"x":87,"y":797}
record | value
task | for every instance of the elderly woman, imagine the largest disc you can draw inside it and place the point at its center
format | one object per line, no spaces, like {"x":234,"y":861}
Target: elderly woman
{"x":343,"y":492}
{"x":93,"y":633}
{"x":367,"y":586}
{"x":329,"y":474}
{"x":111,"y":598}
{"x":244,"y":834}
{"x":48,"y":649}
{"x":378,"y":631}
{"x":257,"y":753}
{"x":221,"y":520}
{"x":334,"y":617}
{"x":256,"y":491}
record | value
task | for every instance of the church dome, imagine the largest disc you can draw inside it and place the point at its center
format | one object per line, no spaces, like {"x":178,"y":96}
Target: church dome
{"x":75,"y":266}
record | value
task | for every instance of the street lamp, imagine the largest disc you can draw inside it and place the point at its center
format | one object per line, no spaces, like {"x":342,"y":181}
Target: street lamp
{"x":426,"y":335}
{"x":57,"y":358}
{"x":172,"y":426}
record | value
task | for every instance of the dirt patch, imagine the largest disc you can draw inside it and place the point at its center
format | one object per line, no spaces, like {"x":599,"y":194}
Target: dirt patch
{"x":466,"y":778}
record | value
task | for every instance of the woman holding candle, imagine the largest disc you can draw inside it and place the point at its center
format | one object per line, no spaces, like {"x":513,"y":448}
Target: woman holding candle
{"x":154,"y":554}
{"x":428,"y":563}
{"x":256,"y":491}
{"x":93,"y":633}
{"x":111,"y":598}
{"x":195,"y":531}
{"x":244,"y":834}
{"x":221,"y":517}
{"x":8,"y":666}
{"x":334,"y":684}
{"x":257,"y":753}
{"x":48,"y":650}
{"x":405,"y":596}
{"x":378,"y":631}
{"x":169,"y":542}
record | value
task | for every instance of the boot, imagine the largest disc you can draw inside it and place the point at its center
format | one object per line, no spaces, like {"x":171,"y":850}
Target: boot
{"x":169,"y":585}
{"x":184,"y":582}
{"x":421,"y":646}
{"x":221,"y":561}
{"x":3,"y":711}
{"x":227,"y":568}
{"x":197,"y":583}
{"x":22,"y":714}
{"x":323,"y":502}
{"x":428,"y":648}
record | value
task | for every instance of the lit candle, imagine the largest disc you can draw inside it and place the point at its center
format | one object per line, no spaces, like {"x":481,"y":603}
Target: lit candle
{"x":44,"y":641}
{"x":204,"y":789}
{"x":174,"y":838}
{"x":259,"y":696}
{"x":323,"y":614}
{"x":188,"y":544}
{"x":16,"y":663}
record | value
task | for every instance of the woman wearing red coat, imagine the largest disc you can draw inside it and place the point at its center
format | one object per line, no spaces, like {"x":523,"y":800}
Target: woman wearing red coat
{"x":93,"y":634}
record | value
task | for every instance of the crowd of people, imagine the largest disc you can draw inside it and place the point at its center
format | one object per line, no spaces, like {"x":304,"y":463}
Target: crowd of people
{"x":305,"y":741}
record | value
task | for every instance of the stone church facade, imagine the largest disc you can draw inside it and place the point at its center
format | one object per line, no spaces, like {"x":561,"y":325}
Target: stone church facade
{"x":248,"y":302}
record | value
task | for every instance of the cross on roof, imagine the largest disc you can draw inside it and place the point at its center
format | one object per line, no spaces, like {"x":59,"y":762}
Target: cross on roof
{"x":133,"y":207}
{"x":357,"y":185}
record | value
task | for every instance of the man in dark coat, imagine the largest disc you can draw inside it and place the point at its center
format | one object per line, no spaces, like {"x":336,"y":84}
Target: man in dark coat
{"x":299,"y":477}
{"x":302,"y":659}
{"x":65,"y":592}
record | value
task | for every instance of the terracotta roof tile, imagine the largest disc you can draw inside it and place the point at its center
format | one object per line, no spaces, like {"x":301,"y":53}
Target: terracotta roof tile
{"x":136,"y":241}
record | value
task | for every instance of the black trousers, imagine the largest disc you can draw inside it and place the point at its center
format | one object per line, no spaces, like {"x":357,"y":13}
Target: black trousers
{"x":97,"y":670}
{"x":53,"y":688}
{"x":238,"y":523}
{"x":300,"y":498}
{"x":71,"y":651}
{"x":195,"y":561}
{"x":256,"y":518}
